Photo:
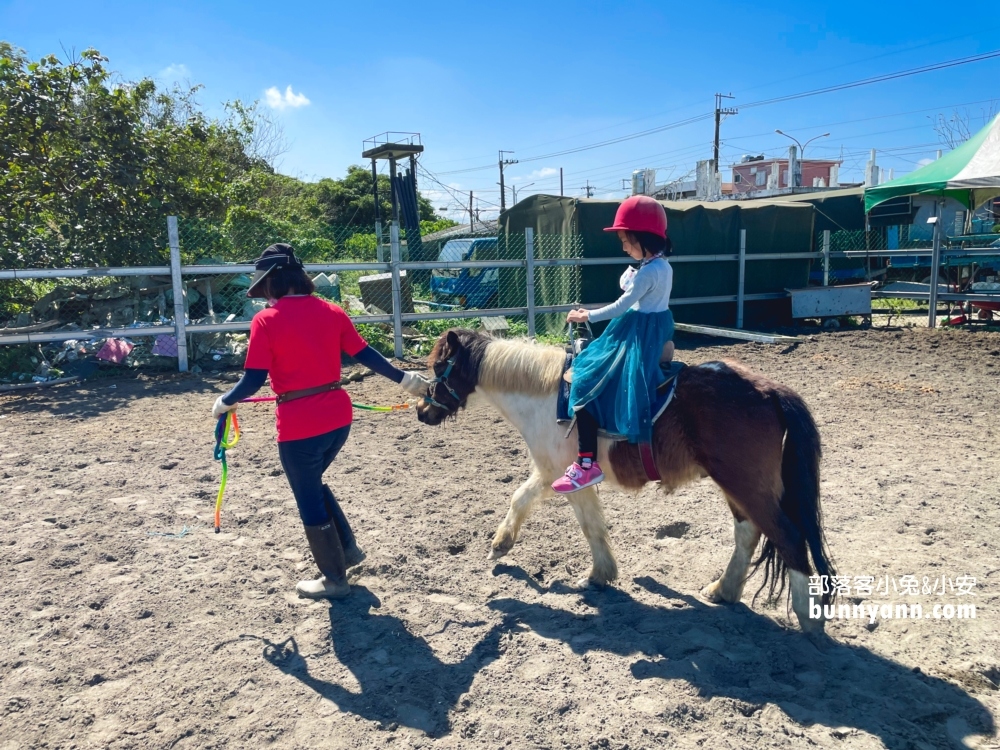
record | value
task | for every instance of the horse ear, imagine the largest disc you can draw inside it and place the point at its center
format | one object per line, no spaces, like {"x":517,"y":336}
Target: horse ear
{"x":453,"y":342}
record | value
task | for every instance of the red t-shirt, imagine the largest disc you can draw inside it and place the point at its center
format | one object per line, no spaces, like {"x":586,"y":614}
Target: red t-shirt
{"x":299,"y":341}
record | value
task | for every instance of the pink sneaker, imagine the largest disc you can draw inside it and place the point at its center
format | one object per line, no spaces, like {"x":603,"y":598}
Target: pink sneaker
{"x":577,"y":478}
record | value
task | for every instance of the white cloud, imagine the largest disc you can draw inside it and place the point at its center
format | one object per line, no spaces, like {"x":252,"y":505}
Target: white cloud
{"x":924,"y":162}
{"x":538,"y":174}
{"x":174,"y":72}
{"x":276,"y":100}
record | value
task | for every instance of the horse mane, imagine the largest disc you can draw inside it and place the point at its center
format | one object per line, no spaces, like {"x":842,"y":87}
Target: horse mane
{"x":521,"y":366}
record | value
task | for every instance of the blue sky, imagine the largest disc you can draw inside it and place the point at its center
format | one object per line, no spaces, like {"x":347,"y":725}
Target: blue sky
{"x":543,"y":77}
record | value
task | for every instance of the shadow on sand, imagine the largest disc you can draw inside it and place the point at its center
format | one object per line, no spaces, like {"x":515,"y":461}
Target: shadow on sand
{"x":402,"y":680}
{"x":733,"y":652}
{"x":722,"y":651}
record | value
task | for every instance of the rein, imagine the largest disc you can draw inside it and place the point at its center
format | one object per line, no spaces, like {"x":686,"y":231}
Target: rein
{"x":366,"y":407}
{"x":443,"y":380}
{"x":227,"y":435}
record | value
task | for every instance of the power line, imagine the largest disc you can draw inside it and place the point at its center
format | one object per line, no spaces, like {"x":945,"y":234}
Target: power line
{"x":760,"y":103}
{"x":451,"y":191}
{"x":622,"y":139}
{"x":877,"y":79}
{"x":741,"y":91}
{"x":856,"y":62}
{"x":600,"y":169}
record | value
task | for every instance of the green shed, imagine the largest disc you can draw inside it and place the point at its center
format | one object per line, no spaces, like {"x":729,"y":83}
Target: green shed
{"x":696,"y":229}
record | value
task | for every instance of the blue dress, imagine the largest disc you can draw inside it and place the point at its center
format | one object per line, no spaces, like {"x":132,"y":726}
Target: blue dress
{"x":617,"y":375}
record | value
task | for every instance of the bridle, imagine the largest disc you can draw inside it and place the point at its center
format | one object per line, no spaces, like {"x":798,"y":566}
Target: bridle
{"x":442,"y":379}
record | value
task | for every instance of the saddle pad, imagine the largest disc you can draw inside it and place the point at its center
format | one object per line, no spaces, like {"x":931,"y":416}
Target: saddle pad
{"x":664,"y":395}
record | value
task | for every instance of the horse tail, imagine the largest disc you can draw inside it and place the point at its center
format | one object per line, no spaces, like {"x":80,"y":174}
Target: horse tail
{"x":800,"y":459}
{"x":800,"y":503}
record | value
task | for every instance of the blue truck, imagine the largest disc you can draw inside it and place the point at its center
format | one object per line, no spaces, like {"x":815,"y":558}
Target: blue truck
{"x":467,"y":287}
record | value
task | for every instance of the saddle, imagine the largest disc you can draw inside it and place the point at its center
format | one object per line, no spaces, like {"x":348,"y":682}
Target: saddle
{"x":664,"y":395}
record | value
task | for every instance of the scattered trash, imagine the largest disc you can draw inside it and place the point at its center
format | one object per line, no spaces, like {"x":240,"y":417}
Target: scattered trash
{"x":139,"y":302}
{"x":165,"y":346}
{"x":115,"y":350}
{"x":328,"y":286}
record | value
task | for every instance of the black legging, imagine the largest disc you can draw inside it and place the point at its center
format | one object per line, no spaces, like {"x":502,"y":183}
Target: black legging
{"x":304,"y":462}
{"x":586,"y":428}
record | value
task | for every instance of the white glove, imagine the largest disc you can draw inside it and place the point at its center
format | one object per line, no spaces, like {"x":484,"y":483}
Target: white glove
{"x":414,"y":383}
{"x":221,"y":408}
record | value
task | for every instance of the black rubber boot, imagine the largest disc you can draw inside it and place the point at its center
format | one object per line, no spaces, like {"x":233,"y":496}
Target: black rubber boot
{"x":327,"y":551}
{"x":353,"y":554}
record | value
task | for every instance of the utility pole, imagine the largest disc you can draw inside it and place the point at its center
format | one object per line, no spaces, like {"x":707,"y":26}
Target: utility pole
{"x":719,"y":112}
{"x":589,"y":189}
{"x":503,"y":162}
{"x":472,"y":218}
{"x":561,"y":182}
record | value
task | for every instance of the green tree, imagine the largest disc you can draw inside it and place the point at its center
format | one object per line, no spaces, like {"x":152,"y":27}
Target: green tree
{"x":350,"y":201}
{"x":90,"y":167}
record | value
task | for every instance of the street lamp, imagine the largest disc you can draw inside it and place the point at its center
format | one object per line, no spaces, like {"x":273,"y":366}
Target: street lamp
{"x":802,"y":146}
{"x":513,"y":189}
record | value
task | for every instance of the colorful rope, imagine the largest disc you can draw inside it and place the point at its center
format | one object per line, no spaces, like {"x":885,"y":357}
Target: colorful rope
{"x":366,"y":407}
{"x":227,"y":435}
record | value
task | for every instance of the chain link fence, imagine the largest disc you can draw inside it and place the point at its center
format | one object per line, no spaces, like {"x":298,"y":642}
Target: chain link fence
{"x":92,"y":321}
{"x":882,"y":255}
{"x":898,"y":262}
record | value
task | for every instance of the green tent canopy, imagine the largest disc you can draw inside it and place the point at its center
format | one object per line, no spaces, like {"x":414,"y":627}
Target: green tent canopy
{"x":970,"y":174}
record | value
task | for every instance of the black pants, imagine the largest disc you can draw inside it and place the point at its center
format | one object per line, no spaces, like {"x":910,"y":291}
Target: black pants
{"x":586,"y":430}
{"x":304,"y":462}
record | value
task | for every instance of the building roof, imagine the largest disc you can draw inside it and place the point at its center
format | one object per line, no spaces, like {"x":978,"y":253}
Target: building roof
{"x":758,"y":162}
{"x":481,"y":227}
{"x":807,"y":193}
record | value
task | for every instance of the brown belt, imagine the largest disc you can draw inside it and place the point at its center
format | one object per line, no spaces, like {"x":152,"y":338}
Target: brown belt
{"x":292,"y":395}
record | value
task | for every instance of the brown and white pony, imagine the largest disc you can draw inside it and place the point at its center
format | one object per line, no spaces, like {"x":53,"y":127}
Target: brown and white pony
{"x":754,"y":437}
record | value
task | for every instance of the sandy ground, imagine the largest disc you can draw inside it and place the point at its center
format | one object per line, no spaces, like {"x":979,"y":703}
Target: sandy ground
{"x":119,"y":635}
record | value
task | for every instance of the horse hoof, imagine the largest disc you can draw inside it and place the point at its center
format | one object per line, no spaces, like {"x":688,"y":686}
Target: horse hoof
{"x":813,"y":627}
{"x":712,"y":593}
{"x":500,"y":548}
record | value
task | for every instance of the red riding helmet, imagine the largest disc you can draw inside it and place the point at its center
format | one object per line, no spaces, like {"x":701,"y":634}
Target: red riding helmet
{"x":640,"y":213}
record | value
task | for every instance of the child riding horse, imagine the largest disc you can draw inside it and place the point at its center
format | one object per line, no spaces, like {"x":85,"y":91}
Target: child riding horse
{"x":614,"y":378}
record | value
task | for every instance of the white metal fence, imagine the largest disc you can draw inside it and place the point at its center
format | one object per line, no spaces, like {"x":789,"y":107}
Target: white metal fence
{"x":532,"y":262}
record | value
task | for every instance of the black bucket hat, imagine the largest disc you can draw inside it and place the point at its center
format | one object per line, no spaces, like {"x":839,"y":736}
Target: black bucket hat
{"x":278,"y":255}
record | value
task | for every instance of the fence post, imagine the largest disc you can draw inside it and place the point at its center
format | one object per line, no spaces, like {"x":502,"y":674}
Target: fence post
{"x":397,"y":298}
{"x":935,"y":265}
{"x":529,"y":267}
{"x":178,"y":285}
{"x":379,"y":252}
{"x":826,"y":257}
{"x":739,"y":291}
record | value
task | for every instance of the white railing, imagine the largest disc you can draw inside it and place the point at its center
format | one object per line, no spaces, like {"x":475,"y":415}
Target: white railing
{"x":181,"y":328}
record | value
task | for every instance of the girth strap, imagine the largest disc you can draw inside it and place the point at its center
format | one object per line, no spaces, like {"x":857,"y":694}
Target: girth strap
{"x":292,"y":395}
{"x":648,"y":462}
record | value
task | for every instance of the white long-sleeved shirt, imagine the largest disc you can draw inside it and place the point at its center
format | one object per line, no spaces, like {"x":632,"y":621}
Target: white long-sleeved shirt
{"x":648,"y":292}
